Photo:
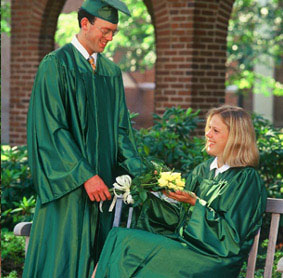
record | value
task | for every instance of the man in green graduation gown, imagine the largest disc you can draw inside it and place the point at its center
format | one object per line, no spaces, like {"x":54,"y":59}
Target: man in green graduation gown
{"x":79,"y":140}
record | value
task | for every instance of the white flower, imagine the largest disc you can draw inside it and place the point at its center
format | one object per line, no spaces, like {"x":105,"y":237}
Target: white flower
{"x":129,"y":199}
{"x":116,"y":186}
{"x":124,"y":180}
{"x":122,"y":185}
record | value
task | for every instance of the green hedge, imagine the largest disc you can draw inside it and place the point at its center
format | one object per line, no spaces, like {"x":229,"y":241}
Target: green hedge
{"x":12,"y":254}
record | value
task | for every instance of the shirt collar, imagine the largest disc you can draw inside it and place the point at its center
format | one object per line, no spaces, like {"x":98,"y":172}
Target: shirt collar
{"x":222,"y":169}
{"x":75,"y":42}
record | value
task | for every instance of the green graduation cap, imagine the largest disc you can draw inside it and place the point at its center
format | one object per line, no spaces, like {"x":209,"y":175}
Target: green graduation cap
{"x":106,"y":9}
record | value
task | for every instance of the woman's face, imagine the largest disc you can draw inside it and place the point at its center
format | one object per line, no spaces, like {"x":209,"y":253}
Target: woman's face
{"x":216,"y":136}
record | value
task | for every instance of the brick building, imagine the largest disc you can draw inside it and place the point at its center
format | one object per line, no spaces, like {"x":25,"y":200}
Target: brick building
{"x":190,"y":43}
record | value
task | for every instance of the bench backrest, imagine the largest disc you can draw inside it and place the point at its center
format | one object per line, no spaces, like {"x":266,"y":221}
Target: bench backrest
{"x":275,"y":207}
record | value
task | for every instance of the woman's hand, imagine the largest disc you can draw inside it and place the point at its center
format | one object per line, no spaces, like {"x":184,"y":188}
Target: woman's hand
{"x":182,"y":196}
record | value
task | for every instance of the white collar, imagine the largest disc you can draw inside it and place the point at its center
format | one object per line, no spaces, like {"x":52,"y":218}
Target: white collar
{"x":222,"y":169}
{"x":75,"y":42}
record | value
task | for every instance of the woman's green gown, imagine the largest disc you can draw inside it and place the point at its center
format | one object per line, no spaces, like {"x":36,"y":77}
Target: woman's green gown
{"x":210,"y":239}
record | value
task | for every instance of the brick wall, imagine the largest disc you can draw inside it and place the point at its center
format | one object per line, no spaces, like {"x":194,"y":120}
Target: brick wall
{"x":191,"y":52}
{"x":32,"y":36}
{"x":190,"y":43}
{"x":141,"y":98}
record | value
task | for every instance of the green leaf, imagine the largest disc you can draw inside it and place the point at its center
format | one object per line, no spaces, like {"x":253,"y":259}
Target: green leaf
{"x":143,"y":196}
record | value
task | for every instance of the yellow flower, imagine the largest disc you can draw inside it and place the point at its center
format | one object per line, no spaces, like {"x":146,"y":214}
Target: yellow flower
{"x":171,"y":185}
{"x":162,"y":182}
{"x":180,"y":183}
{"x":166,"y":176}
{"x":176,"y":175}
{"x":172,"y":180}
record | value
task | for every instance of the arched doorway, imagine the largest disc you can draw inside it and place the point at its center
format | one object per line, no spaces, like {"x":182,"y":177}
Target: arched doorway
{"x":190,"y":43}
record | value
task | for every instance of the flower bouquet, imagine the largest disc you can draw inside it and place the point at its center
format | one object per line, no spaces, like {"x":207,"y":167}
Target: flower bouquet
{"x":157,"y":178}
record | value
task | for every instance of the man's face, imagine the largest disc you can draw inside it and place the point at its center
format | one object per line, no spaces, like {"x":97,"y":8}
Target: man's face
{"x":98,"y":34}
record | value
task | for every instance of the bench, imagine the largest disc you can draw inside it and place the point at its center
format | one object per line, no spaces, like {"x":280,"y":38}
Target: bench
{"x":273,"y":206}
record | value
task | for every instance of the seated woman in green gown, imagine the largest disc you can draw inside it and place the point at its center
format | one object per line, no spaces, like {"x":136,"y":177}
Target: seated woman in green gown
{"x":213,"y":234}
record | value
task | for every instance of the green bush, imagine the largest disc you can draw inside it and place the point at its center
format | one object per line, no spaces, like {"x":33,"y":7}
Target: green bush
{"x":17,"y":200}
{"x":171,"y":140}
{"x":12,"y":274}
{"x":12,"y":254}
{"x":270,"y":144}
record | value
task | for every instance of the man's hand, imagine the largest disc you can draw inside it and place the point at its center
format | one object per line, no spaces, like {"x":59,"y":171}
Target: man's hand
{"x":96,"y":189}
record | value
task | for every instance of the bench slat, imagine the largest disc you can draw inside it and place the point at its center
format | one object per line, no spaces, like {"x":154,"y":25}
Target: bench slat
{"x":252,"y":257}
{"x":273,"y":231}
{"x":118,"y":212}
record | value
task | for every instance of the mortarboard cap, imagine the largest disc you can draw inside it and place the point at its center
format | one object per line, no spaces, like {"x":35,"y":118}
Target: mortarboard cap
{"x":106,"y":9}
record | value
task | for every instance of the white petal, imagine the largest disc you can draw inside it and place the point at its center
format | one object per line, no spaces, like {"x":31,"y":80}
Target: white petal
{"x":124,"y":180}
{"x":130,"y":199}
{"x":100,"y":206}
{"x":119,"y":187}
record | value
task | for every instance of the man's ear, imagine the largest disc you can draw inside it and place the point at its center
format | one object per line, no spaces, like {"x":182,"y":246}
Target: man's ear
{"x":84,"y":23}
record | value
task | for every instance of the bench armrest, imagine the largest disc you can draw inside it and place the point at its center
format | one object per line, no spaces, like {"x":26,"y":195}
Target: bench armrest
{"x":22,"y":229}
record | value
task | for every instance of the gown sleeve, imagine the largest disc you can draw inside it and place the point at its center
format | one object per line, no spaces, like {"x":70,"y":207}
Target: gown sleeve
{"x":128,"y":156}
{"x":56,"y":161}
{"x":223,"y":226}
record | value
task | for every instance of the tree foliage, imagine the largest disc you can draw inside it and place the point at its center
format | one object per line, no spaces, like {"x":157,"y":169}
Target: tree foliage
{"x":5,"y":17}
{"x":254,"y":37}
{"x":67,"y":27}
{"x":135,"y":39}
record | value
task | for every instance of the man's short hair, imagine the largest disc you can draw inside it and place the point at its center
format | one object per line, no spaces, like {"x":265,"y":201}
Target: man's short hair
{"x":83,"y":13}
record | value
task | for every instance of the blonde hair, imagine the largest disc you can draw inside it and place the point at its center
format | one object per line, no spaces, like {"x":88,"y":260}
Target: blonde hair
{"x":241,"y":149}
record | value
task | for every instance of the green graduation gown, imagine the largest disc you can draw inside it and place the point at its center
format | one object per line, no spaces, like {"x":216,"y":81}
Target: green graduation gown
{"x":210,"y":239}
{"x":78,"y":126}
